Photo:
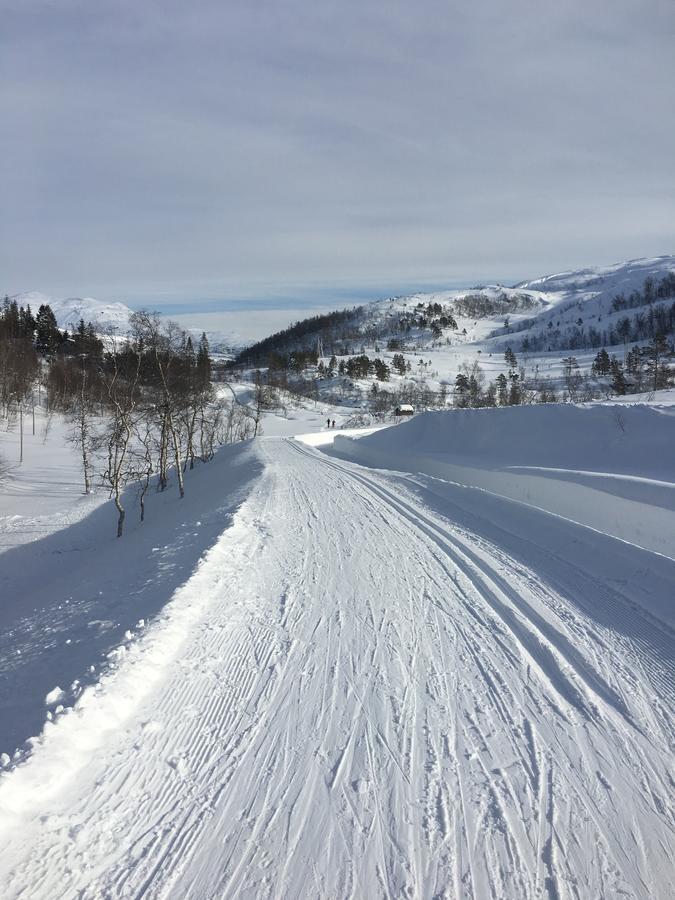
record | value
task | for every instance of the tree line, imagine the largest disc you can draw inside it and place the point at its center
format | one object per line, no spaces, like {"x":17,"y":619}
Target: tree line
{"x":657,"y":319}
{"x":331,"y":327}
{"x":480,"y":306}
{"x":141,"y":409}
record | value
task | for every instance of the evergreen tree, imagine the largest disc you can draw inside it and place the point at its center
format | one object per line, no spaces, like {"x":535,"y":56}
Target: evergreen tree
{"x":203,"y":363}
{"x":461,"y":390}
{"x":502,"y":390}
{"x":654,"y":355}
{"x":601,"y":363}
{"x":515,"y":393}
{"x":48,"y":336}
{"x":634,"y":362}
{"x":510,"y":358}
{"x":398,"y":363}
{"x":189,"y":352}
{"x":381,"y":370}
{"x":618,"y":380}
{"x":27,"y":322}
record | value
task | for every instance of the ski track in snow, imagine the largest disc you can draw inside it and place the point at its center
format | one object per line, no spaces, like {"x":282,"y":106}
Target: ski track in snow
{"x":376,"y":702}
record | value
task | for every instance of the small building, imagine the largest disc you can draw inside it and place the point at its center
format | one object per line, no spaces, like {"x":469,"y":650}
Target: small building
{"x":405,"y":409}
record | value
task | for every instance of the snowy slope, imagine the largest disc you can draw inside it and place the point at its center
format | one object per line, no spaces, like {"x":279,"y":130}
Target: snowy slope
{"x":540,"y":320}
{"x":373,"y":684}
{"x":561,"y":298}
{"x":605,"y":466}
{"x":608,"y":280}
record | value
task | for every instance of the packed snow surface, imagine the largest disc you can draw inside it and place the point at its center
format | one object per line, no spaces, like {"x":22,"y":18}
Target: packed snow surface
{"x":606,"y":466}
{"x":372,"y":683}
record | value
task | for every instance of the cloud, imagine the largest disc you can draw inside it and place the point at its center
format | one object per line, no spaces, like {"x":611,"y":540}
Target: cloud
{"x":171,"y":148}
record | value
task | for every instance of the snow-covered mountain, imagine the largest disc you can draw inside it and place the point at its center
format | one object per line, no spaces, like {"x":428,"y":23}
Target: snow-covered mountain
{"x":115,"y":316}
{"x":563,"y":297}
{"x":70,"y":310}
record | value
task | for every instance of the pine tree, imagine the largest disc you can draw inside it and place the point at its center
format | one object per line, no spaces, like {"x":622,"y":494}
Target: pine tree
{"x":618,"y":380}
{"x":601,"y":363}
{"x":48,"y":336}
{"x":515,"y":393}
{"x":398,"y":362}
{"x":654,"y":362}
{"x":502,"y":390}
{"x":461,"y":390}
{"x":381,"y":370}
{"x":203,"y":361}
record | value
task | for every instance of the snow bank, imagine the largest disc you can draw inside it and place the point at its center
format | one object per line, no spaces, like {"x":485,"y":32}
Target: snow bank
{"x":610,"y":467}
{"x":103,"y":709}
{"x":69,"y":595}
{"x":323,"y":438}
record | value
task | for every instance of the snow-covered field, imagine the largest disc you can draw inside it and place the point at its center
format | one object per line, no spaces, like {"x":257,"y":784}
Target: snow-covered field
{"x":315,"y":678}
{"x":606,"y":466}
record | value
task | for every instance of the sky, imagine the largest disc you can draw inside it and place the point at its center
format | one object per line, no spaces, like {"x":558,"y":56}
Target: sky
{"x":256,"y":154}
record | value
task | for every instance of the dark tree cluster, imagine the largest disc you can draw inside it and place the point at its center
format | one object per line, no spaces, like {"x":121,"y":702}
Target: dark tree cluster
{"x":296,"y":361}
{"x":646,"y":368}
{"x":480,"y":306}
{"x":509,"y":389}
{"x":652,"y":291}
{"x":659,"y":318}
{"x":362,"y":366}
{"x":18,"y":358}
{"x":432,"y":317}
{"x":331,"y":328}
{"x":341,"y":333}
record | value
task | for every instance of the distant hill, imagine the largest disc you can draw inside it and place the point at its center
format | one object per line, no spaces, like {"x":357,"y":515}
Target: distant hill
{"x":115,"y":316}
{"x":483,"y":312}
{"x":620,"y":277}
{"x":70,"y":310}
{"x":603,"y":306}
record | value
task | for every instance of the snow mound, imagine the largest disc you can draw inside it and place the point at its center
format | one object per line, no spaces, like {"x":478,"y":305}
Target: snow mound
{"x":55,"y":696}
{"x":635,"y":440}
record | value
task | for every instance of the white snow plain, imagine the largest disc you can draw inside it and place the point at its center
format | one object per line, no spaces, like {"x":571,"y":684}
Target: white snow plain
{"x":364,"y":682}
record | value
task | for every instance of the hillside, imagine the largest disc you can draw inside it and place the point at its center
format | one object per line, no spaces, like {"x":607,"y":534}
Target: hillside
{"x":413,"y":348}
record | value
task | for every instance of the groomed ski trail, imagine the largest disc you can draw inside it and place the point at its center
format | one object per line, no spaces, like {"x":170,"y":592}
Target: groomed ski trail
{"x":369,"y":700}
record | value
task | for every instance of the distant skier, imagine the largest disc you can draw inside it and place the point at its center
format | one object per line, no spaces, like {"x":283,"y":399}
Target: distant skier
{"x":333,"y":423}
{"x":328,"y":423}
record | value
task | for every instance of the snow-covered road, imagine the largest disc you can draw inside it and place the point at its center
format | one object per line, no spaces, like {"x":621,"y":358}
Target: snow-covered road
{"x":374,"y":685}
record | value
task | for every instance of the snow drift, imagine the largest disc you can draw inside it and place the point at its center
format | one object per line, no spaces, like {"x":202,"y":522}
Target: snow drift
{"x":609,"y":467}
